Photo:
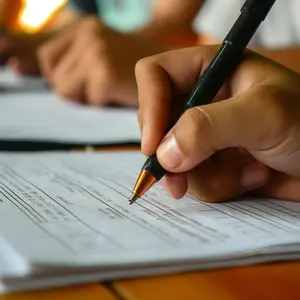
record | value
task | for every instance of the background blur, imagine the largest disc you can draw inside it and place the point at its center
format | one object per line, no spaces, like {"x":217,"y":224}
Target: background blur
{"x":29,"y":15}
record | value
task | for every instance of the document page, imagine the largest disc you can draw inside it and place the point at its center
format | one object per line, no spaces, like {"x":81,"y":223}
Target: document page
{"x":43,"y":116}
{"x":71,"y":209}
{"x":11,"y":82}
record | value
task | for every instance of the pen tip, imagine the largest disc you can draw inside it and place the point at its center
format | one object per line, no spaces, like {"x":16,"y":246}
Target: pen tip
{"x":133,"y":198}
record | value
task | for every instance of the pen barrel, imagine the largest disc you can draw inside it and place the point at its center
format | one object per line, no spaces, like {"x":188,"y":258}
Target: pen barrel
{"x":252,"y":14}
{"x":261,"y":7}
{"x":230,"y":53}
{"x":215,"y":75}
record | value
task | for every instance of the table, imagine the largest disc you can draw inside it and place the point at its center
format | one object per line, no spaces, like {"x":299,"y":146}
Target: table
{"x":86,"y":292}
{"x":269,"y":281}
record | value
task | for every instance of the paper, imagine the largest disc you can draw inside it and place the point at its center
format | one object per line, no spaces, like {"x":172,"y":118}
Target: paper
{"x":30,"y":112}
{"x":42,"y":116}
{"x":67,"y":216}
{"x":11,"y":82}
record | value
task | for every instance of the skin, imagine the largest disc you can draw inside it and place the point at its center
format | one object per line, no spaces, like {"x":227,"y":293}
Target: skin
{"x":245,"y":141}
{"x":99,"y":74}
{"x":102,"y":74}
{"x":81,"y":57}
{"x":288,"y":56}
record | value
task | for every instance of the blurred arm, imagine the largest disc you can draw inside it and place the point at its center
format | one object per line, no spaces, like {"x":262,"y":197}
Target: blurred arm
{"x":73,"y":11}
{"x":172,"y":19}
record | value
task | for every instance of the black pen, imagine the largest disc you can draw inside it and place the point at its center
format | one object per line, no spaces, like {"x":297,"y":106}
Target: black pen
{"x":210,"y":82}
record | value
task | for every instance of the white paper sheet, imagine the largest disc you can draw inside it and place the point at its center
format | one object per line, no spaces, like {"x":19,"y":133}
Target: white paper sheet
{"x":69,"y":214}
{"x":11,"y":82}
{"x":42,"y":116}
{"x":29,"y":111}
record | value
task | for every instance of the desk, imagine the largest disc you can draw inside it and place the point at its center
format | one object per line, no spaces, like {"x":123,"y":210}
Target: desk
{"x":85,"y":292}
{"x":263,"y":282}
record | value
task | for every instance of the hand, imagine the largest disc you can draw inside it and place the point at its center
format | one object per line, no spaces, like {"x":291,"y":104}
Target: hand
{"x":19,"y":50}
{"x":248,"y":142}
{"x":94,"y":64}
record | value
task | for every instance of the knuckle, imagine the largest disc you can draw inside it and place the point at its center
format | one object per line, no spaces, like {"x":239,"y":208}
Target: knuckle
{"x":142,"y":65}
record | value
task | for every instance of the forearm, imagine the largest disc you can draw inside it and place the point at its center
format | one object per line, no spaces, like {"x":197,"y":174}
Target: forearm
{"x":289,"y":57}
{"x":172,"y":19}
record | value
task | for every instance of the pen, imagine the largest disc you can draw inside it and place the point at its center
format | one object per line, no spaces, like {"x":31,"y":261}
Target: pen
{"x":253,"y":12}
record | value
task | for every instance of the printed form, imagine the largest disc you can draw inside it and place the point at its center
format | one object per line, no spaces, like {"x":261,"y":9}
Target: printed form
{"x":61,"y":211}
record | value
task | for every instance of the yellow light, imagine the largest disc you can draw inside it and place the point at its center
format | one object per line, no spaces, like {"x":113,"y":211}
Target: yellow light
{"x":36,"y":12}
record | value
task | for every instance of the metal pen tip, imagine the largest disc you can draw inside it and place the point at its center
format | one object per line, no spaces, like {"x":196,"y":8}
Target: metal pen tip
{"x":133,"y":198}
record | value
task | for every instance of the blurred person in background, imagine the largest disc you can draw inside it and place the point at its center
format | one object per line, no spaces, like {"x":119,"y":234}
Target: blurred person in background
{"x":90,"y":52}
{"x":277,"y":38}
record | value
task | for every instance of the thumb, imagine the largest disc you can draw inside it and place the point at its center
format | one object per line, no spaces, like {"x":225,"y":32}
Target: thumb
{"x":201,"y":131}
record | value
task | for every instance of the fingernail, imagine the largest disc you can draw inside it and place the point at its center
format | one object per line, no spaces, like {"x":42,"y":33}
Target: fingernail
{"x":253,"y":176}
{"x":168,"y":152}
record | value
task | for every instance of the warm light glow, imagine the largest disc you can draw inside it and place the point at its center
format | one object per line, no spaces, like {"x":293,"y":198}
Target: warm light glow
{"x":36,"y":12}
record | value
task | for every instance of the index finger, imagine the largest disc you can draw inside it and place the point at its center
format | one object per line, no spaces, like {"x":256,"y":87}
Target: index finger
{"x":162,"y":79}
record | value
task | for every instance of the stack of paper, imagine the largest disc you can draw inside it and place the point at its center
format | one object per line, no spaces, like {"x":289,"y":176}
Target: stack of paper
{"x":10,"y":82}
{"x":65,"y":219}
{"x":30,"y":113}
{"x":46,"y":118}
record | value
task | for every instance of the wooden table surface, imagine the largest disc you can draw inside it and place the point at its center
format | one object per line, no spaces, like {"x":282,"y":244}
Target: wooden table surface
{"x":262,"y":282}
{"x":83,"y":292}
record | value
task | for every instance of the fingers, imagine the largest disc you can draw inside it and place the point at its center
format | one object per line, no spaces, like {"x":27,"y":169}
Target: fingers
{"x":281,"y":186}
{"x":65,"y":76}
{"x":202,"y":131}
{"x":222,"y":178}
{"x":175,"y":184}
{"x":51,"y":52}
{"x":161,"y":79}
{"x":72,"y":87}
{"x":227,"y":174}
{"x":102,"y":80}
{"x":154,"y":94}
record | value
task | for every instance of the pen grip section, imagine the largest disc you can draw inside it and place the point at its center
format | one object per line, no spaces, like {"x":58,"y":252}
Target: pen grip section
{"x":153,"y":166}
